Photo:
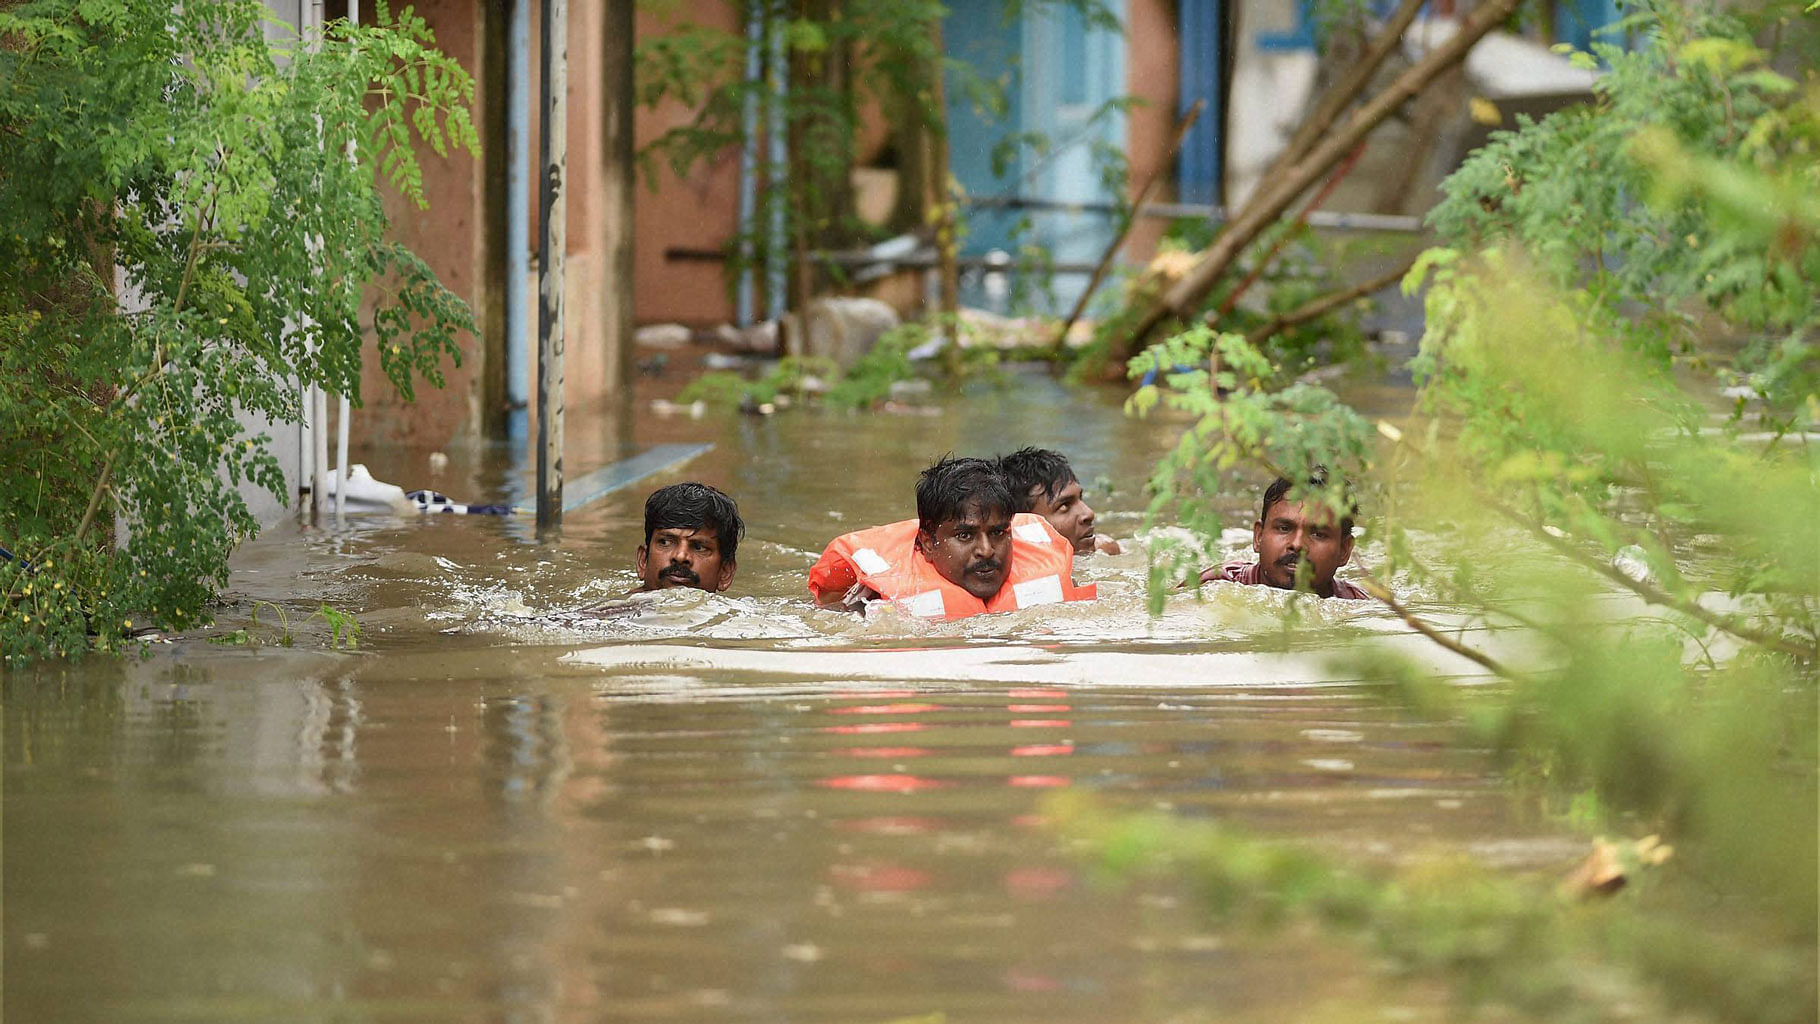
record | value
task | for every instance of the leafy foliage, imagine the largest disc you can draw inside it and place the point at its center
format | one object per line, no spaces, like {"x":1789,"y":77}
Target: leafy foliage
{"x":1576,"y":476}
{"x":188,"y":243}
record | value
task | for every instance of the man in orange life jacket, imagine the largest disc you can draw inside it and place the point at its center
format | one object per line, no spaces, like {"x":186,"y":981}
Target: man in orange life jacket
{"x":965,"y":553}
{"x":1288,"y":534}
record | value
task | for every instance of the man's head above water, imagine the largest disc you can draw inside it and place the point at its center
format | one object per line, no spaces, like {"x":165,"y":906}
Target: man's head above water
{"x":1041,"y":481}
{"x":963,"y":512}
{"x":692,"y":534}
{"x":1288,"y":533}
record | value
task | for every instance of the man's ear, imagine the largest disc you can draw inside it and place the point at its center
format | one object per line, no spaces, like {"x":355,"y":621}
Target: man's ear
{"x":924,"y":542}
{"x":1257,"y":536}
{"x":1346,"y":548}
{"x":727,"y":569}
{"x":638,"y":564}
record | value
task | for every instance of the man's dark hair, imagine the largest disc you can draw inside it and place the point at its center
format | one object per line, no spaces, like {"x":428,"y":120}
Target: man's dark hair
{"x":1317,"y":478}
{"x":949,"y":488}
{"x":1029,"y":468}
{"x":693,"y":506}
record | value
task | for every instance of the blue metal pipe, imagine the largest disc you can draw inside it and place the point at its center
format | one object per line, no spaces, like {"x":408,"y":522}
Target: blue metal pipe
{"x":776,"y":134}
{"x":518,"y":208}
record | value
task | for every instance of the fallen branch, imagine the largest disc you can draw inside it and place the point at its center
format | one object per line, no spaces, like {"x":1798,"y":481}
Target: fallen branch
{"x":1371,"y":586}
{"x":1274,"y":197}
{"x":1347,"y":89}
{"x":1309,"y":311}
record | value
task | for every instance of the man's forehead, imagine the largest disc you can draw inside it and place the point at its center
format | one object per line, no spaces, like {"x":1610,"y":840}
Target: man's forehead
{"x":1297,"y":511}
{"x":682,"y":532}
{"x":975,"y":515}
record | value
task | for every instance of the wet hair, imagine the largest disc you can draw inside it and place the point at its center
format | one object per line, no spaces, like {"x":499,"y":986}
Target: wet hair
{"x":949,"y":488}
{"x":1029,"y":468}
{"x":1317,"y":477}
{"x":693,"y":506}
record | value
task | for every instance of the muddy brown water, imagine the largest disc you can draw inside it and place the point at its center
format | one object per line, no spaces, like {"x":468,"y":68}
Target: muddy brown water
{"x":719,"y":808}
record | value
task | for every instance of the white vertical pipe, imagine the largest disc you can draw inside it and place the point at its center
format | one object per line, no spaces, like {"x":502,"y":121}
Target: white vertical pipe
{"x":341,"y":458}
{"x":518,"y":206}
{"x":319,"y":486}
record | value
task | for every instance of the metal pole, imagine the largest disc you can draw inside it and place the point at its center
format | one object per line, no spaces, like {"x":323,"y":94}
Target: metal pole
{"x":341,"y":404}
{"x":518,"y":209}
{"x":555,"y":146}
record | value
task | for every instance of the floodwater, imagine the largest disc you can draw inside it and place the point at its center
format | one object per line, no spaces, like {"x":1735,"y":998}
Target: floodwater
{"x":714,"y":807}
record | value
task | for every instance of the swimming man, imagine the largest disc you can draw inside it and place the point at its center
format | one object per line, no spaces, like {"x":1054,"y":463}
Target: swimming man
{"x":1043,"y":483}
{"x":1288,"y":533}
{"x":965,"y":553}
{"x":692,"y":534}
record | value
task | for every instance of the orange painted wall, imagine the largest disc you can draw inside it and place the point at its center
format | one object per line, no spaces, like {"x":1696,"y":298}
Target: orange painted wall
{"x":1152,"y":73}
{"x":700,"y":211}
{"x":449,"y":237}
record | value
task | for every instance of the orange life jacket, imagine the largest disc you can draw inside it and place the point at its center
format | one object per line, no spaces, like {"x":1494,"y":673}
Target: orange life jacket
{"x":886,"y":559}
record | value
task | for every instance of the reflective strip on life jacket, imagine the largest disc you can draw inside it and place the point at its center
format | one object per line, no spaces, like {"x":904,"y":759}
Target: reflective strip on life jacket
{"x":886,"y":559}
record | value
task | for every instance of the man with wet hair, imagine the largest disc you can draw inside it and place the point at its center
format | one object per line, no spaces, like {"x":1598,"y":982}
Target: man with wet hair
{"x":1288,"y":533}
{"x":692,"y":534}
{"x":966,"y":552}
{"x":1043,"y":483}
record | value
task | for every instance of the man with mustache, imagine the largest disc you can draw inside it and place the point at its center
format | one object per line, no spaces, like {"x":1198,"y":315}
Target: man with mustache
{"x":1289,"y":533}
{"x":965,"y":553}
{"x":1043,"y":483}
{"x":692,"y":534}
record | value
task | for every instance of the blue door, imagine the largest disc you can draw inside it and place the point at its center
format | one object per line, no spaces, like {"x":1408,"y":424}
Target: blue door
{"x":1058,"y":72}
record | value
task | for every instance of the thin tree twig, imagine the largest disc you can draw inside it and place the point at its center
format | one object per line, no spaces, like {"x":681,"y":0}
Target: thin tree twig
{"x":1378,"y":590}
{"x":1320,"y":306}
{"x":1662,"y":598}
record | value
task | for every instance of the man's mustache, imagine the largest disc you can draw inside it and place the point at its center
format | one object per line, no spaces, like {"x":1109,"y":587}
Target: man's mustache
{"x":986,"y":566}
{"x":681,"y":573}
{"x":1289,"y":561}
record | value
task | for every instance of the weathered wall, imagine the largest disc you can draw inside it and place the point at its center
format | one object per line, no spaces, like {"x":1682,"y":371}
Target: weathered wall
{"x":1152,"y":74}
{"x":450,"y":238}
{"x":697,"y":212}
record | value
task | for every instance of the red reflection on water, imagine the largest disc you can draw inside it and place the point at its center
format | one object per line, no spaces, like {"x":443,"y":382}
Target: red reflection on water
{"x":882,"y":752}
{"x":1030,"y":981}
{"x":878,"y":877}
{"x":871,"y":727}
{"x":1038,"y":781}
{"x":1037,"y":882}
{"x":875,"y":694}
{"x":891,"y":825}
{"x":880,"y":783}
{"x":1040,"y":723}
{"x":1036,"y":708}
{"x":885,"y":709}
{"x":1027,"y":692}
{"x":1042,"y":750}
